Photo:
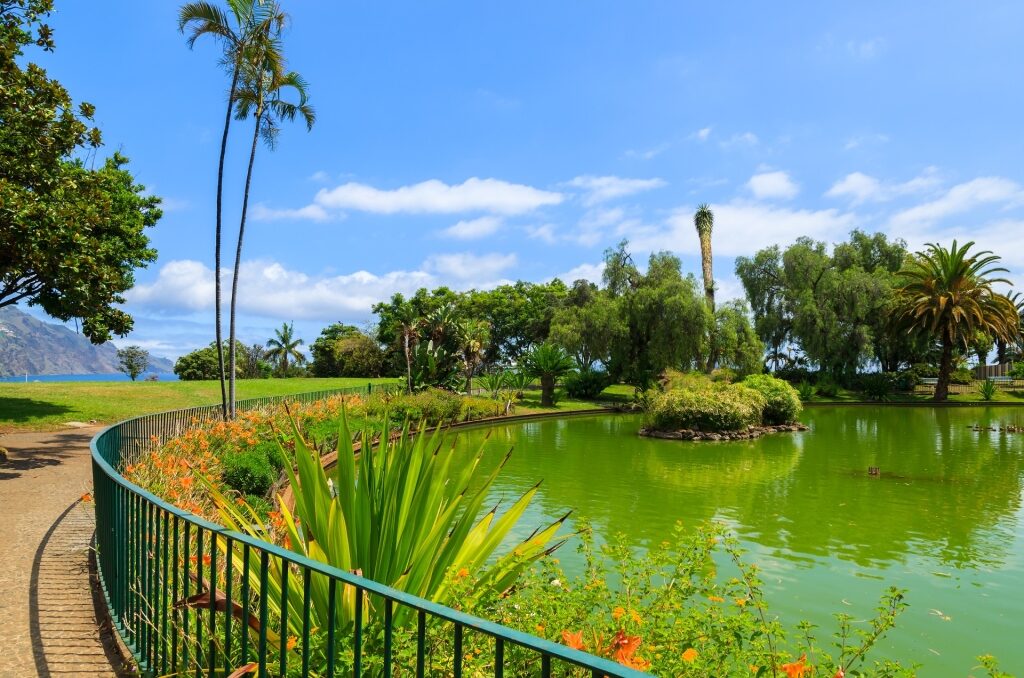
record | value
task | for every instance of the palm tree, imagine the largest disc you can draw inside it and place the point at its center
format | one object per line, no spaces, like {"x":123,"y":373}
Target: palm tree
{"x":473,"y":335}
{"x":236,"y":30}
{"x":1003,"y":346}
{"x":549,"y":363}
{"x":948,"y":295}
{"x":408,"y":323}
{"x":262,"y":94}
{"x":704,"y":221}
{"x":285,"y":345}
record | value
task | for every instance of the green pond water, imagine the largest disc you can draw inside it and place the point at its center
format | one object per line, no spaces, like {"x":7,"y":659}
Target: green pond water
{"x":944,"y":519}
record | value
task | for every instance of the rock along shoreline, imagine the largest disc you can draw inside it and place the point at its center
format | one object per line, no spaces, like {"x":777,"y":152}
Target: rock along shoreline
{"x":749,"y":433}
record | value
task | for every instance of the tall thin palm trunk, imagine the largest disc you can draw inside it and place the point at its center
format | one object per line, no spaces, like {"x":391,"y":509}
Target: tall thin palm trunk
{"x":217,"y":239}
{"x":705,"y":263}
{"x":238,"y":259}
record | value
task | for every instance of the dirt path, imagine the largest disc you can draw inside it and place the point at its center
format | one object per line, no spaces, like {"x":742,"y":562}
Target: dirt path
{"x":48,"y":605}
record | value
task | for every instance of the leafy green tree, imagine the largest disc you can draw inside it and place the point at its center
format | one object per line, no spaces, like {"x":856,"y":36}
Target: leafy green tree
{"x":948,"y":295}
{"x":519,"y":316}
{"x":588,"y":326}
{"x":1005,"y":350}
{"x":70,"y":237}
{"x":733,"y":342}
{"x":262,"y":95}
{"x":253,"y":362}
{"x":667,"y":321}
{"x":132,"y":360}
{"x":322,"y":350}
{"x":245,"y":22}
{"x":284,"y":345}
{"x":198,"y":365}
{"x":549,"y":363}
{"x":358,"y":355}
{"x":763,"y":282}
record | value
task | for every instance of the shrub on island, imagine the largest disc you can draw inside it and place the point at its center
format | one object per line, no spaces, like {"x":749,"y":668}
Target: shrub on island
{"x":712,"y":407}
{"x":782,"y":401}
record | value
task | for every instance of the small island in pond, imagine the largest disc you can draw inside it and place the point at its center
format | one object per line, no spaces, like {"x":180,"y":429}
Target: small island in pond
{"x":689,"y":406}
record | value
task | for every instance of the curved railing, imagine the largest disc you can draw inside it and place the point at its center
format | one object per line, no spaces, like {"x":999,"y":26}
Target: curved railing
{"x":187,"y":596}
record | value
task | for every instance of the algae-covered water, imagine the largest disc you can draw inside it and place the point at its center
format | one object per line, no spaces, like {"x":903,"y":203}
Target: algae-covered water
{"x":942,"y":520}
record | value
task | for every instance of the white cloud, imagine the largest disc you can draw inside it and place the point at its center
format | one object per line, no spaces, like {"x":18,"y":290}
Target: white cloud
{"x":471,"y":229}
{"x":544,"y":232}
{"x":603,"y":189}
{"x":859,"y":187}
{"x":594,"y":225}
{"x":591,"y":272}
{"x":773,"y":185}
{"x":466,"y":266}
{"x":961,"y":198}
{"x":864,"y":140}
{"x":740,"y":140}
{"x":649,"y":153}
{"x":261,"y":212}
{"x":741,"y":229}
{"x":320,"y":177}
{"x":437,"y":197}
{"x":269,"y":289}
{"x":703,"y":133}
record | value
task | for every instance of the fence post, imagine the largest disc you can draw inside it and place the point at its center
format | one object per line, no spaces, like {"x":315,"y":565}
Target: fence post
{"x":369,"y":388}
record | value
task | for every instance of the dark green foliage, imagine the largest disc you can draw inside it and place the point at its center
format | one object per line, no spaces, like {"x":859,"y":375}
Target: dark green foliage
{"x":1018,"y":370}
{"x":260,"y":505}
{"x":782,"y":402}
{"x":877,"y":386}
{"x":249,"y":472}
{"x":806,"y":390}
{"x":827,"y":386}
{"x":435,"y":366}
{"x":201,"y":364}
{"x":324,"y":363}
{"x":962,"y":376}
{"x":586,"y":383}
{"x":795,"y":374}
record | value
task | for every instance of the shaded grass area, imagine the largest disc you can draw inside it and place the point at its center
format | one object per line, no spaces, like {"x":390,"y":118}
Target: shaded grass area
{"x":924,"y":397}
{"x":49,"y":405}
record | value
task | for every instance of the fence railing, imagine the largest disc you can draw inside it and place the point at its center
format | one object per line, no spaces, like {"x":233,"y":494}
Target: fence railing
{"x":189,"y":597}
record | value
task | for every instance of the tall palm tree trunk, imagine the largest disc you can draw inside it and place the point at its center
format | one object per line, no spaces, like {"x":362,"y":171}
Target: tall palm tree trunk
{"x":408,"y":363}
{"x":705,"y":262}
{"x":945,"y":369}
{"x":217,"y":239}
{"x":238,"y":261}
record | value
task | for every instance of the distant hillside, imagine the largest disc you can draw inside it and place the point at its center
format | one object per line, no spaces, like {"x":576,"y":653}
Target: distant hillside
{"x":29,"y":346}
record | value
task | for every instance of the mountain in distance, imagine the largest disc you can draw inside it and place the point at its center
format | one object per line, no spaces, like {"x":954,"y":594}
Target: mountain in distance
{"x":31,"y":346}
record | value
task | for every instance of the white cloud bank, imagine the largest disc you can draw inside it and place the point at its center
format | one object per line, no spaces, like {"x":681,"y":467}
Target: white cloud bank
{"x":768,"y":185}
{"x":472,"y":229}
{"x":602,"y":189}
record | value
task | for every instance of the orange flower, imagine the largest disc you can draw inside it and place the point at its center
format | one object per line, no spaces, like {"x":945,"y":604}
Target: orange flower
{"x":206,"y":559}
{"x":690,"y":655}
{"x":797,"y":669}
{"x":624,"y":647}
{"x":573,"y":640}
{"x":716,"y":599}
{"x":462,"y":573}
{"x":617,"y":613}
{"x":292,"y":642}
{"x":840,"y":673}
{"x":741,"y":601}
{"x":86,"y":497}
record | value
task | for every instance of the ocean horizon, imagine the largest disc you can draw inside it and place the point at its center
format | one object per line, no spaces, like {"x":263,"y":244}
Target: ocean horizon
{"x":111,"y":376}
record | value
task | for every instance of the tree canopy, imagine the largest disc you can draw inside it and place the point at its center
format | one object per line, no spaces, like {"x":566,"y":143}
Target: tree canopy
{"x":70,"y":235}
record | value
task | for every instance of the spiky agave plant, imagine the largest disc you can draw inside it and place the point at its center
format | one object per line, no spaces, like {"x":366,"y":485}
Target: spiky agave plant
{"x":405,"y":514}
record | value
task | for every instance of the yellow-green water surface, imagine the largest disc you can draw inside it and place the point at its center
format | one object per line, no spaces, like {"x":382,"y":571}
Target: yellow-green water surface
{"x":943,"y":520}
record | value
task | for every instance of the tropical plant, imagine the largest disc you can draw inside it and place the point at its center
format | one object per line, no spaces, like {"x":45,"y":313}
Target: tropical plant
{"x":518,"y":381}
{"x":587,"y":383}
{"x":245,"y":23}
{"x":132,"y":360}
{"x":407,"y":515}
{"x":549,"y":363}
{"x":877,"y":386}
{"x":948,"y":295}
{"x":493,"y":382}
{"x":704,"y":222}
{"x":1005,"y":349}
{"x":473,"y":336}
{"x":434,"y":366}
{"x":285,"y":345}
{"x":826,"y":386}
{"x":262,"y":95}
{"x":987,"y":390}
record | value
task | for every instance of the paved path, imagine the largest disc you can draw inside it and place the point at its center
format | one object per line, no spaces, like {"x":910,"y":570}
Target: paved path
{"x":48,"y":610}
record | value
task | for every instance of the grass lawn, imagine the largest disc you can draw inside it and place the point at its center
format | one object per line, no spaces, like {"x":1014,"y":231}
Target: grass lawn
{"x":972,"y":397}
{"x":48,"y":405}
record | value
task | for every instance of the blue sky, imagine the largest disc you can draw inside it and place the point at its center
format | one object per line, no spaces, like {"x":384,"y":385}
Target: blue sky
{"x":473,"y":143}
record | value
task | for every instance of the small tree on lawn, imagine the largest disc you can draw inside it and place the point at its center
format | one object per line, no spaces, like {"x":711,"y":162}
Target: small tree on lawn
{"x":549,"y":363}
{"x":132,"y":360}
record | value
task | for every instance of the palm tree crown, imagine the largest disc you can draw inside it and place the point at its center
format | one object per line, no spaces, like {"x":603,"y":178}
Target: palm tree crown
{"x":704,"y":222}
{"x":285,"y":345}
{"x":948,"y":294}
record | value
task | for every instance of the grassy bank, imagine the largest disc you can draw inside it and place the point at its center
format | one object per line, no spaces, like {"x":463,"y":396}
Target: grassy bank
{"x":924,"y":398}
{"x":49,"y":405}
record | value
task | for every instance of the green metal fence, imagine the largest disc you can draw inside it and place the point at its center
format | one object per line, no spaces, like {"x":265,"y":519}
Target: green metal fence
{"x":189,"y":597}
